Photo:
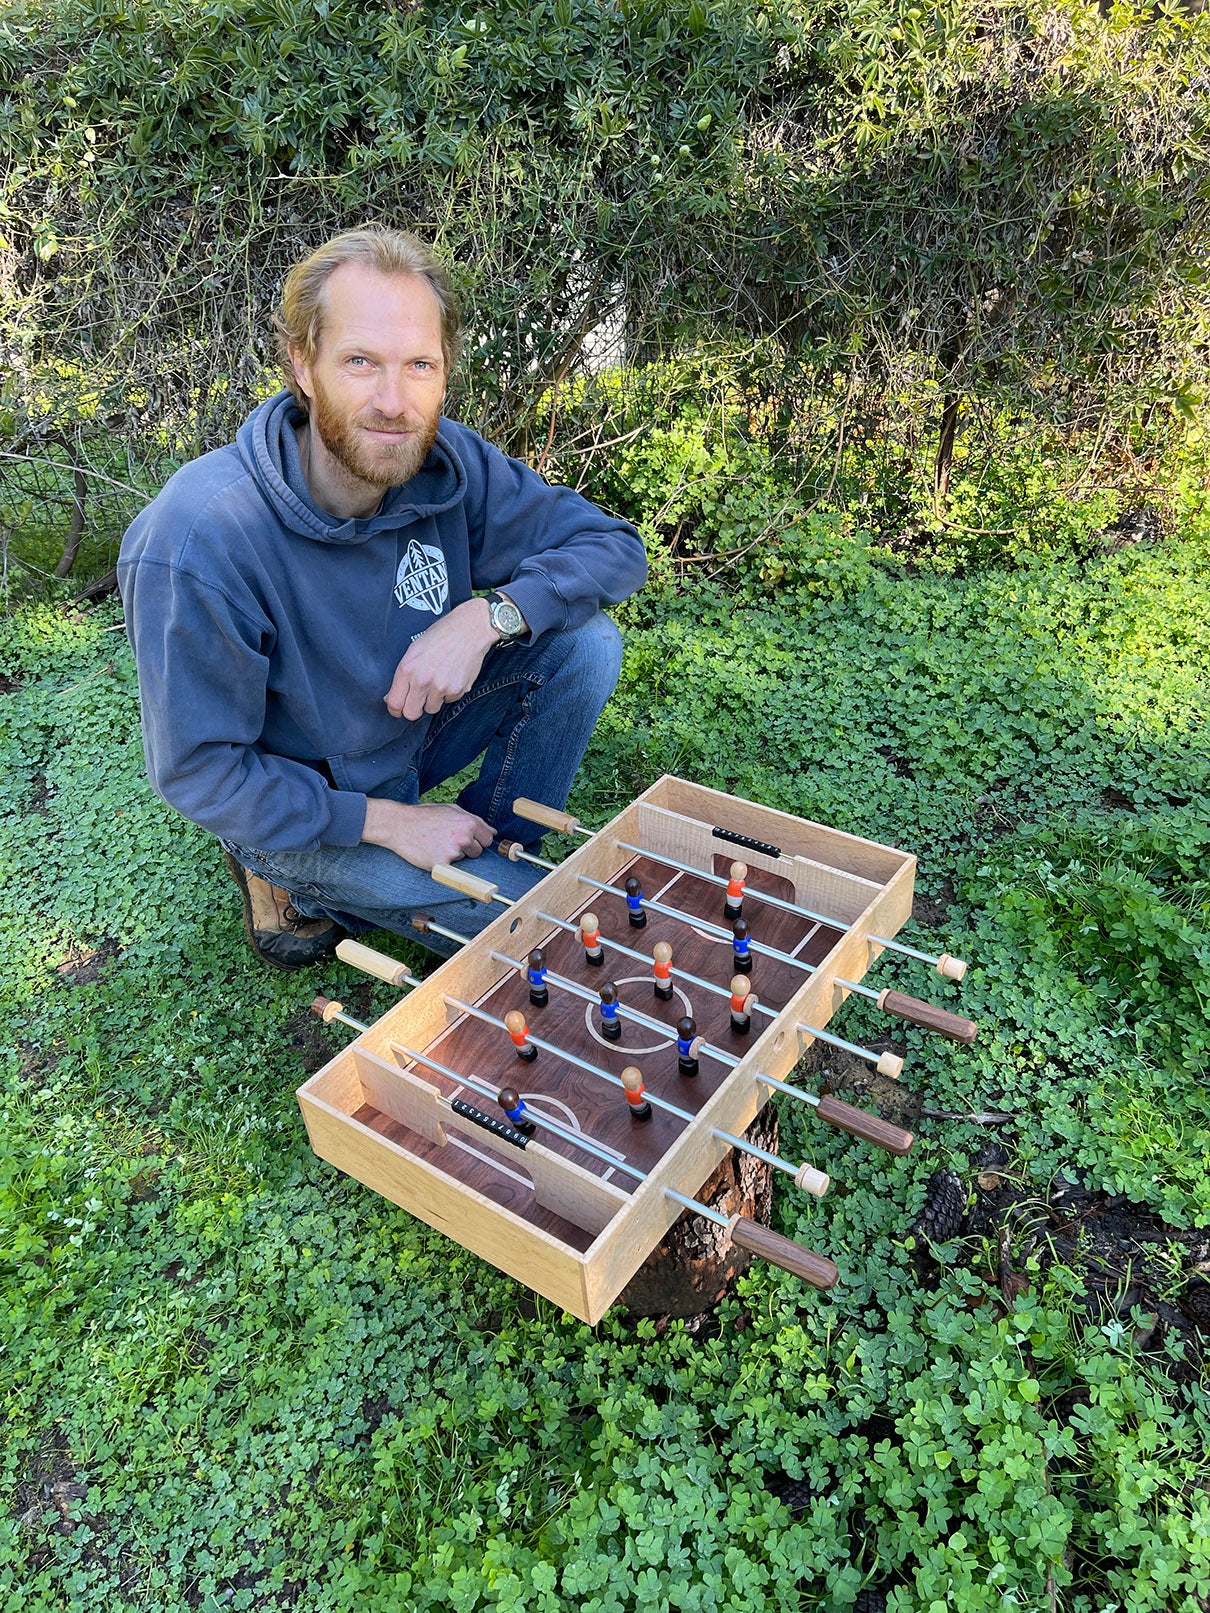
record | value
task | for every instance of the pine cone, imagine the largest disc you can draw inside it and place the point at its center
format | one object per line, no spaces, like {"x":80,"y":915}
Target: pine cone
{"x":794,"y":1494}
{"x":1195,"y":1302}
{"x":944,"y":1208}
{"x":870,"y":1600}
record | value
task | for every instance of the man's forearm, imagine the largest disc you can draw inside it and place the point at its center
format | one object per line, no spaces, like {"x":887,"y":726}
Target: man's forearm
{"x":426,"y":833}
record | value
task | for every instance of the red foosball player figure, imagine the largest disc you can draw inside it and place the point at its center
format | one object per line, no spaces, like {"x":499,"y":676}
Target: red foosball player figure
{"x":514,"y":1023}
{"x":662,"y":955}
{"x":632,"y":1080}
{"x":742,"y":1004}
{"x":590,"y":934}
{"x":735,"y":892}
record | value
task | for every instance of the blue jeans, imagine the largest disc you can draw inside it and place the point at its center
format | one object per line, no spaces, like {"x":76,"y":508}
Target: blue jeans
{"x":530,"y":715}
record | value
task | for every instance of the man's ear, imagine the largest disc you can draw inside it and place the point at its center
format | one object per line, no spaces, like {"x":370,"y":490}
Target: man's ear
{"x":302,"y":372}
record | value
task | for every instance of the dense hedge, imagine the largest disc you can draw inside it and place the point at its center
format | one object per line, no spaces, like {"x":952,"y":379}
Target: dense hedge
{"x":977,"y":198}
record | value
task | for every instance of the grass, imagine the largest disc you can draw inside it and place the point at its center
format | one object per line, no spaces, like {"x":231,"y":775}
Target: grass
{"x":235,"y":1379}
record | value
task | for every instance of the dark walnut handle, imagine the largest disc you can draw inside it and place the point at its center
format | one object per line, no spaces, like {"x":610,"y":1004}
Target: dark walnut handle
{"x":870,"y":1128}
{"x":783,"y":1252}
{"x":952,"y":1026}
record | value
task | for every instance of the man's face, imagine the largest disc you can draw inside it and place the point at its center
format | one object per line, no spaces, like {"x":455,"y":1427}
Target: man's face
{"x":377,"y":380}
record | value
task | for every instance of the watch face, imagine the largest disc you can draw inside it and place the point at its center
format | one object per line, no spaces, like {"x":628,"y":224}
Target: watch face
{"x":506,"y":618}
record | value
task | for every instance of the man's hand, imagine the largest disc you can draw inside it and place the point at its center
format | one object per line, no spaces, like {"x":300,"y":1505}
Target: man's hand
{"x":443,"y":663}
{"x":425,"y":834}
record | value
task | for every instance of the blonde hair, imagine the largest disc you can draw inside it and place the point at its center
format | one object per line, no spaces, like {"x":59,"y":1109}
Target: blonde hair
{"x":299,"y":322}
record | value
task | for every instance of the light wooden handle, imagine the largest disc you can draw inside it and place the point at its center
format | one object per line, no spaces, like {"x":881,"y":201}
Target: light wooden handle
{"x":375,"y":963}
{"x":327,"y":1008}
{"x":783,"y":1252}
{"x":952,"y":1026}
{"x":888,"y":1064}
{"x":950,"y":968}
{"x":870,"y":1128}
{"x":809,"y":1180}
{"x":459,"y":880}
{"x":550,"y":816}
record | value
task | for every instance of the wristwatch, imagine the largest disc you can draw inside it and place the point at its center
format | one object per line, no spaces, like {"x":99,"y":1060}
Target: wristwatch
{"x":506,"y":618}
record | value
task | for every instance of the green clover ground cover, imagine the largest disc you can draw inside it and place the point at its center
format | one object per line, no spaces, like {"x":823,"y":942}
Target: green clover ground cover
{"x":236,"y":1379}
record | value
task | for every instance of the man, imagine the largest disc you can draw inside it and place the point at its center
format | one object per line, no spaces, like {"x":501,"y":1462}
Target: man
{"x":315,"y":648}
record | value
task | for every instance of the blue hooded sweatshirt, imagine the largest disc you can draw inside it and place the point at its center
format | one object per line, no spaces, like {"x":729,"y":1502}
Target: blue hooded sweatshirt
{"x":267,"y":631}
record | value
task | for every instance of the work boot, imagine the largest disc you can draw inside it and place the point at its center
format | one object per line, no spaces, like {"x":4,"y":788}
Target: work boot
{"x":277,"y":932}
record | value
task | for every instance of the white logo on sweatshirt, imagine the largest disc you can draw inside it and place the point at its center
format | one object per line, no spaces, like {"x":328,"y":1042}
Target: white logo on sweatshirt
{"x":422,"y":580}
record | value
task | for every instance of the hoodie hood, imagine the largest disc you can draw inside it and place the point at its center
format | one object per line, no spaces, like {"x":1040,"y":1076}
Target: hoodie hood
{"x":267,"y":443}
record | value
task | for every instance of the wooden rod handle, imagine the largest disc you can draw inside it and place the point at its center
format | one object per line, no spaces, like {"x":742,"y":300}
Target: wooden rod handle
{"x":931,"y":1018}
{"x":459,"y":880}
{"x":327,"y":1008}
{"x":870,"y":1128}
{"x":809,"y":1180}
{"x":783,"y":1252}
{"x":550,"y":816}
{"x":950,"y":968}
{"x":374,"y":963}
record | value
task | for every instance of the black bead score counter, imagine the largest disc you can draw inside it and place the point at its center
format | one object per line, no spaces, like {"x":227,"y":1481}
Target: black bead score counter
{"x":554,"y":1096}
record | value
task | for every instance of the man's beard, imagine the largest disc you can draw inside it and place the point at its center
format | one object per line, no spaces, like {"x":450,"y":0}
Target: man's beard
{"x":379,"y":464}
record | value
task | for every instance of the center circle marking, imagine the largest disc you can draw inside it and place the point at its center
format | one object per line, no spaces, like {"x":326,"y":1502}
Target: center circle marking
{"x":618,"y":1046}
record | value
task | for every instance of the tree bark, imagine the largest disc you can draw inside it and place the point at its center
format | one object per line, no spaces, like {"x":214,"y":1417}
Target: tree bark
{"x":693,"y":1267}
{"x":75,"y":531}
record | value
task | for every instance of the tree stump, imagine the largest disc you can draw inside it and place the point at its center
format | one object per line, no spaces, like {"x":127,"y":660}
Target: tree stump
{"x":693,"y":1267}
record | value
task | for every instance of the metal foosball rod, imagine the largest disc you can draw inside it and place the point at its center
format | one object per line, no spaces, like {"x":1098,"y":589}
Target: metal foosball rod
{"x":845,"y":1117}
{"x":805,"y":1177}
{"x":889,"y":1064}
{"x":742,"y":1231}
{"x":911,"y":1009}
{"x":949,"y":968}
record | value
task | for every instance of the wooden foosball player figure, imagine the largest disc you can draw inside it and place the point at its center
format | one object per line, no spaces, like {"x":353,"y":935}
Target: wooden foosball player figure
{"x":637,"y":1094}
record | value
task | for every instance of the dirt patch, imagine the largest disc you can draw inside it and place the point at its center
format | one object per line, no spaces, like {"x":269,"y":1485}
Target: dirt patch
{"x":1150,"y":1277}
{"x":40,"y":794}
{"x":933,"y":911}
{"x":47,"y":1492}
{"x":1140,"y":525}
{"x":51,"y":1501}
{"x":307,"y":1035}
{"x":10,"y":685}
{"x":37,"y":1064}
{"x":83,"y":964}
{"x":823,"y":1069}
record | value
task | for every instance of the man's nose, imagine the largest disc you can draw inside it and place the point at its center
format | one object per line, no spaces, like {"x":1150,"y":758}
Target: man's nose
{"x":390,"y":397}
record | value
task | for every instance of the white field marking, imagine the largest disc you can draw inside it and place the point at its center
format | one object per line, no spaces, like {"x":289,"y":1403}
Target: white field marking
{"x":661,"y":894}
{"x":814,"y":930}
{"x":618,"y":1046}
{"x":539,"y":1102}
{"x":716,"y":940}
{"x":492,"y":1160}
{"x":573,"y":1124}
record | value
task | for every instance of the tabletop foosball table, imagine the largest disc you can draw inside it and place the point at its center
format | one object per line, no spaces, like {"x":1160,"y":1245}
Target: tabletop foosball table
{"x":554,"y":1095}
